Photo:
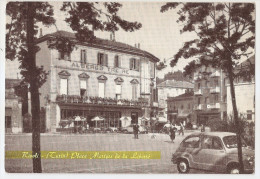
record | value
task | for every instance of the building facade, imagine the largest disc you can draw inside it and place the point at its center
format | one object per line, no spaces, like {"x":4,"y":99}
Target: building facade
{"x":244,"y":91}
{"x":180,"y":108}
{"x":13,"y":108}
{"x":209,"y":94}
{"x":171,"y":88}
{"x":105,"y":78}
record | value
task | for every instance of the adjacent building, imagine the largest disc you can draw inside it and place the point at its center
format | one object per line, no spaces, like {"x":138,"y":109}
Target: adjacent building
{"x":171,"y":88}
{"x":244,"y":91}
{"x":209,"y":94}
{"x":13,"y":107}
{"x":105,"y":78}
{"x":180,"y":108}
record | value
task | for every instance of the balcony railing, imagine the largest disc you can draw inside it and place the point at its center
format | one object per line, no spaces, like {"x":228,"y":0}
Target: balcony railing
{"x":102,"y":101}
{"x":215,"y":90}
{"x":214,"y":106}
{"x":199,"y":92}
{"x":215,"y":74}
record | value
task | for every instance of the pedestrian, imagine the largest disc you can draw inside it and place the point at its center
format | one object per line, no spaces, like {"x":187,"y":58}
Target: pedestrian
{"x":172,"y":132}
{"x":137,"y":130}
{"x":181,"y":131}
{"x":202,"y":128}
{"x":134,"y":130}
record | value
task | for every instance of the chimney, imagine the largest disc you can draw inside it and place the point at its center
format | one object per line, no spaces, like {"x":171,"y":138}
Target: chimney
{"x":40,"y":33}
{"x":138,"y":45}
{"x":111,"y":38}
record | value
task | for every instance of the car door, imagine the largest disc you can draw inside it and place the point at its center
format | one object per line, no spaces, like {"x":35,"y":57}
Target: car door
{"x":212,"y":155}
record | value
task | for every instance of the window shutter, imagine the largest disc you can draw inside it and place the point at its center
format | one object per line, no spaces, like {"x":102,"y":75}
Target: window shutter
{"x":98,"y":58}
{"x":130,"y":63}
{"x":118,"y":89}
{"x":137,"y":64}
{"x":106,"y":60}
{"x":83,"y":84}
{"x":64,"y":86}
{"x":119,"y":62}
{"x":85,"y":56}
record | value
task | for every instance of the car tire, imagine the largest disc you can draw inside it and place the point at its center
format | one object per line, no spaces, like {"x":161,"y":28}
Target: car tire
{"x":234,"y":170}
{"x":183,"y":166}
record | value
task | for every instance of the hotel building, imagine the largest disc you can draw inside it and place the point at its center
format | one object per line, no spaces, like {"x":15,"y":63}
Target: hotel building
{"x":105,"y":78}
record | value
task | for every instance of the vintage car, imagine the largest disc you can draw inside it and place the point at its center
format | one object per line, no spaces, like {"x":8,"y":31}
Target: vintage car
{"x":212,"y":151}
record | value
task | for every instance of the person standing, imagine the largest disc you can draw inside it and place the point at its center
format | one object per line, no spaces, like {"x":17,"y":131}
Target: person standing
{"x":137,"y":130}
{"x":134,"y":130}
{"x":172,"y":132}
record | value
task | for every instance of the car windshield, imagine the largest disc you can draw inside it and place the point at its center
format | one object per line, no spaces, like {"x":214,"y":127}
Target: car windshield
{"x":231,"y":141}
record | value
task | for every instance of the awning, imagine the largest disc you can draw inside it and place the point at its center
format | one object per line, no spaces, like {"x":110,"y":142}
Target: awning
{"x":183,"y":115}
{"x":162,"y":119}
{"x":125,"y":118}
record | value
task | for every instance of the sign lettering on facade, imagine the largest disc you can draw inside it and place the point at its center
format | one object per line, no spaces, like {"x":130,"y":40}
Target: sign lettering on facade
{"x":99,"y":68}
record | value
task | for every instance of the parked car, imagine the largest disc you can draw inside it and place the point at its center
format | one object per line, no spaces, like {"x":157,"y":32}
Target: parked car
{"x":212,"y":151}
{"x":129,"y":129}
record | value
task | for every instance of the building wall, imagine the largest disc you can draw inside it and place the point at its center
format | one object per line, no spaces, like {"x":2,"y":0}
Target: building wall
{"x":210,"y":93}
{"x":49,"y":59}
{"x":245,"y":99}
{"x":16,"y":114}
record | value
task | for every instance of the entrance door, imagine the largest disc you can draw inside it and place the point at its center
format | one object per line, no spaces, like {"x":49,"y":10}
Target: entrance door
{"x":8,"y":124}
{"x":134,"y":117}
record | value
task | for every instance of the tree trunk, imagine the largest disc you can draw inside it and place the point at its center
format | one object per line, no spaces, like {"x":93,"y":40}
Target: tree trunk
{"x":35,"y":102}
{"x":236,"y":119}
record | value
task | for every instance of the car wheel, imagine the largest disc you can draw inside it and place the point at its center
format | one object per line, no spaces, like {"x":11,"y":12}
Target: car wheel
{"x":183,"y":166}
{"x":234,"y":170}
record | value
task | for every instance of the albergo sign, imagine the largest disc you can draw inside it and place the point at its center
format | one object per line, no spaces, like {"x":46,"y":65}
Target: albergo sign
{"x":99,"y":68}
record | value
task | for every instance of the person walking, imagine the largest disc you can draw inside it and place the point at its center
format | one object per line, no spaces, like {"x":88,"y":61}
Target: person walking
{"x":181,"y":131}
{"x":172,"y":132}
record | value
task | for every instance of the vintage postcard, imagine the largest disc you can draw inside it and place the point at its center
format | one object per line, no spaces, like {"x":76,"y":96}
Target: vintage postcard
{"x":133,"y":87}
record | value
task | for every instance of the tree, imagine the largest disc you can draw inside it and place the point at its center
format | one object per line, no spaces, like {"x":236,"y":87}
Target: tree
{"x":21,"y":30}
{"x":20,"y":44}
{"x":225,"y":34}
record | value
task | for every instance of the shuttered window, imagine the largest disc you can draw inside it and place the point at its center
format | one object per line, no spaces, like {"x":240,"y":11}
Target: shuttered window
{"x":134,"y":92}
{"x":83,"y":56}
{"x":64,"y":86}
{"x":118,"y":89}
{"x":101,"y":89}
{"x":134,"y":64}
{"x":152,"y":70}
{"x":117,"y":62}
{"x":102,"y":59}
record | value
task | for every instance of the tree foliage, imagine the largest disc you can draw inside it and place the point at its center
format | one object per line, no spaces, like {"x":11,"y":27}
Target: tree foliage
{"x":225,"y":34}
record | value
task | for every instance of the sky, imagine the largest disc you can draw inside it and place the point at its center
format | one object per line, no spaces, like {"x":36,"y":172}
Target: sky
{"x":159,"y":35}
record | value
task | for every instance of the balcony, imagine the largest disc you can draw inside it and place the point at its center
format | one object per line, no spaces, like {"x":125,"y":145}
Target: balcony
{"x":198,"y":107}
{"x":70,"y":99}
{"x":213,"y":106}
{"x":198,"y":93}
{"x":215,"y":90}
{"x":215,"y":74}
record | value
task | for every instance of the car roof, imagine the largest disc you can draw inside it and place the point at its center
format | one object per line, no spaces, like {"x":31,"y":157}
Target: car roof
{"x":218,"y":134}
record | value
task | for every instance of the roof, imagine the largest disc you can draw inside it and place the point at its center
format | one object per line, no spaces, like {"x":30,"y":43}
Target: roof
{"x":102,"y":43}
{"x":245,"y":65}
{"x":176,"y":84}
{"x":11,"y":83}
{"x":219,"y":134}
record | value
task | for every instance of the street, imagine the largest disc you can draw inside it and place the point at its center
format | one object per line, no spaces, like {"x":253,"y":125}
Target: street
{"x":96,"y":142}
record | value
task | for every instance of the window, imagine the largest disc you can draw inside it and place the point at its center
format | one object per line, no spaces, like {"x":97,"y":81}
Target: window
{"x":101,"y":89}
{"x":118,"y":91}
{"x":216,"y":82}
{"x":8,"y":122}
{"x":206,"y":100}
{"x":102,"y":59}
{"x":191,"y":142}
{"x":152,"y":69}
{"x":182,"y":106}
{"x":134,"y":92}
{"x":198,"y":100}
{"x":117,"y":62}
{"x":198,"y":85}
{"x":134,"y":64}
{"x":83,"y":87}
{"x":64,"y":56}
{"x":63,"y":86}
{"x":249,"y":114}
{"x":83,"y":56}
{"x":211,"y":143}
{"x":216,"y":98}
{"x":155,"y":95}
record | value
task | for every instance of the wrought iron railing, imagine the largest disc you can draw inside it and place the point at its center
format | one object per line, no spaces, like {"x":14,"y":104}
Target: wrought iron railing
{"x":102,"y":101}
